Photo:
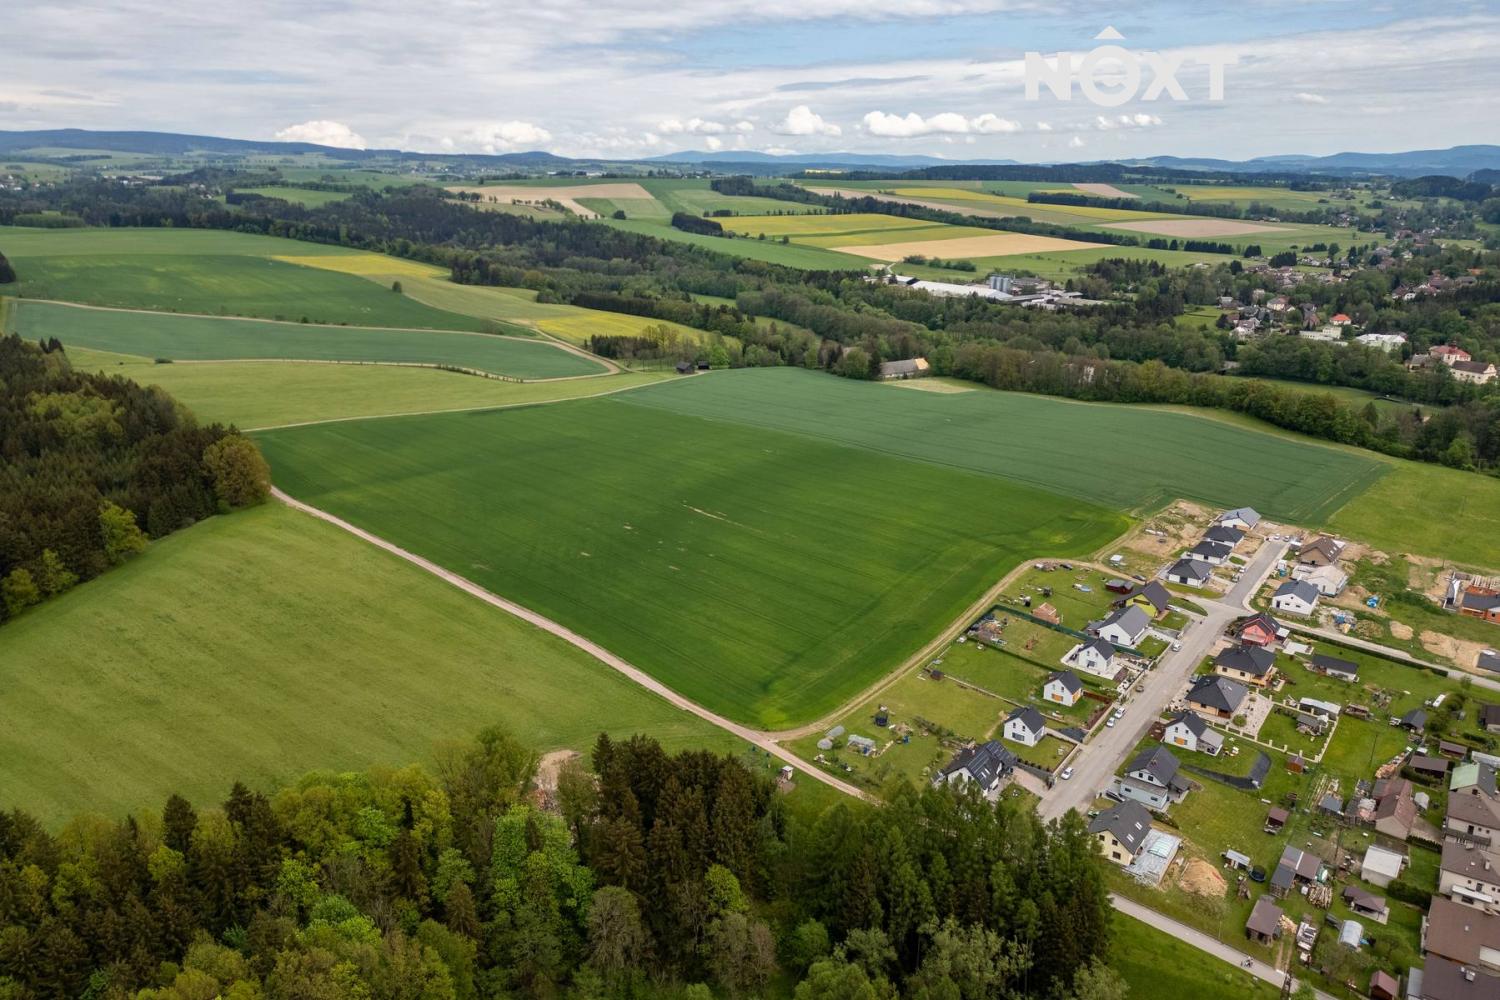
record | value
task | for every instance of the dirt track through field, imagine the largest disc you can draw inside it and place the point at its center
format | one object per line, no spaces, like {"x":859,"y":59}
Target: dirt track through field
{"x":567,"y":635}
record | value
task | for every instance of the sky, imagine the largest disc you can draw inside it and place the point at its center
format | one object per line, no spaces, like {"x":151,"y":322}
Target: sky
{"x":627,"y":78}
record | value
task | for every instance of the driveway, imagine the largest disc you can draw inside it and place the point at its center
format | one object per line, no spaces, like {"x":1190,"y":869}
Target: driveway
{"x":1095,"y":763}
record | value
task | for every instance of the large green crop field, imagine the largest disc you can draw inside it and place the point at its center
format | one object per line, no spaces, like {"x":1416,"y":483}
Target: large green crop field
{"x":263,"y":394}
{"x":265,"y":644}
{"x":200,"y":338}
{"x":769,"y":250}
{"x":1124,"y":457}
{"x":767,"y":575}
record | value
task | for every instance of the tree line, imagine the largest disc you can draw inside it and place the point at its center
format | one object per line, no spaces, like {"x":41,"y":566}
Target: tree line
{"x":92,"y":466}
{"x":636,"y":874}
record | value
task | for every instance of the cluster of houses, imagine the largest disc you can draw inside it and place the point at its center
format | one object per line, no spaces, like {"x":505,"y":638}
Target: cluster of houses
{"x":1461,"y":364}
{"x":1108,"y":650}
{"x":1214,"y":548}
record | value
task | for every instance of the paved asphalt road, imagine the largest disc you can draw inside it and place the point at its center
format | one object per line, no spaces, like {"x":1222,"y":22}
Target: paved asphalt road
{"x":1096,"y":762}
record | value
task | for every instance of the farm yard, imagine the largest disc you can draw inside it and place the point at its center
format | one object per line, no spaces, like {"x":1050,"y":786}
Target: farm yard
{"x":198,"y":652}
{"x":668,"y":539}
{"x":202,"y":338}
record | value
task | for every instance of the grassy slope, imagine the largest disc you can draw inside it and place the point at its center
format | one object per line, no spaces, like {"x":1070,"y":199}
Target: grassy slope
{"x":264,"y":644}
{"x":1431,"y":510}
{"x":196,"y":338}
{"x":298,"y":196}
{"x":767,"y":575}
{"x":1155,"y":964}
{"x":273,"y":393}
{"x":1121,"y":457}
{"x":790,"y":255}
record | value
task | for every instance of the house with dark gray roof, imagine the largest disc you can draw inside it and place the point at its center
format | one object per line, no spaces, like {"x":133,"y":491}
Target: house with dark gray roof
{"x":1212,"y":553}
{"x":1025,"y":726}
{"x":1216,"y":697}
{"x":1189,"y":573}
{"x":1153,"y":597}
{"x":1333,"y":666}
{"x":1240,"y":517}
{"x":1125,"y":627}
{"x":1295,"y":597}
{"x":1153,"y":779}
{"x":1096,"y":656}
{"x":1063,"y":688}
{"x":985,"y":764}
{"x":1248,"y":664}
{"x":1223,"y":534}
{"x":1188,"y":731}
{"x":1121,"y":831}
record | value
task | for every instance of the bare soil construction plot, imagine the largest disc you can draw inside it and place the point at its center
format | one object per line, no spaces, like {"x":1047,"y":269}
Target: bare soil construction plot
{"x":1192,"y":228}
{"x":567,"y":197}
{"x":1104,"y":191}
{"x":998,"y":245}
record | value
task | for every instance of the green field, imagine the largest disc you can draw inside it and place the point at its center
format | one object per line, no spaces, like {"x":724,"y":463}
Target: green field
{"x":262,"y":394}
{"x":788,"y":254}
{"x":265,"y":644}
{"x":207,"y":271}
{"x":1155,"y":964}
{"x":767,"y":575}
{"x":201,"y":338}
{"x":1126,"y":458}
{"x":298,"y":196}
{"x":1396,"y":514}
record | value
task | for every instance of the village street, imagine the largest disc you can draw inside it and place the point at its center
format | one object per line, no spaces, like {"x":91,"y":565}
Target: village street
{"x":1096,"y":762}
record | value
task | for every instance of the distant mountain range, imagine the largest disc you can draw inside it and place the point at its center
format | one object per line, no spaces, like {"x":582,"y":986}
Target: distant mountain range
{"x":1456,"y":161}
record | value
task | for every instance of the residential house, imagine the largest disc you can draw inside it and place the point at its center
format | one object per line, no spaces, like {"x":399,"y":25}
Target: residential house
{"x":1250,"y":664}
{"x":914,"y":368}
{"x":1480,"y":602}
{"x":1296,"y":867}
{"x":1395,"y":811}
{"x":1477,"y":372}
{"x":1450,"y":353}
{"x":1474,"y":778}
{"x":1367,"y":904}
{"x":1189,"y":731}
{"x":1152,"y":779}
{"x":1321,"y":551}
{"x":1489,"y":718}
{"x":1472,"y":816}
{"x":1212,"y":553}
{"x":985,"y":764}
{"x":1224,"y":534}
{"x":1153,"y":598}
{"x":1121,"y":831}
{"x":1264,"y":924}
{"x":1216,"y":697}
{"x":1025,"y":726}
{"x":1340,"y":319}
{"x":1344,"y":670}
{"x":1097,"y":656}
{"x":1470,"y":874}
{"x":1440,"y":979}
{"x":1258,"y":630}
{"x":1462,"y":934}
{"x":1241,"y":517}
{"x":1386,"y":342}
{"x":1190,"y":572}
{"x":1381,"y":866}
{"x":1125,"y":627}
{"x":1330,"y":580}
{"x":1295,"y":597}
{"x":1063,"y":688}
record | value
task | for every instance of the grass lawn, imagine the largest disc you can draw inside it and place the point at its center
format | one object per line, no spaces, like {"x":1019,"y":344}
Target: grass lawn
{"x":721,"y":558}
{"x":266,"y":643}
{"x":1123,"y":457}
{"x":1048,"y":753}
{"x":262,"y":394}
{"x":1156,"y":964}
{"x":198,"y":338}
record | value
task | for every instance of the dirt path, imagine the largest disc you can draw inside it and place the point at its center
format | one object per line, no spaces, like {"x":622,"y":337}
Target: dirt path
{"x":598,"y":652}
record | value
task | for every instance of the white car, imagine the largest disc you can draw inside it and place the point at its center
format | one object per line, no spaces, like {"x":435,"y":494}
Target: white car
{"x":1110,"y":722}
{"x":1176,"y":647}
{"x":1067,"y":773}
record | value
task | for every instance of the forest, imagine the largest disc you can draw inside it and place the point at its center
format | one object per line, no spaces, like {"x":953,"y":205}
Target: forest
{"x":638,"y":874}
{"x":92,"y":466}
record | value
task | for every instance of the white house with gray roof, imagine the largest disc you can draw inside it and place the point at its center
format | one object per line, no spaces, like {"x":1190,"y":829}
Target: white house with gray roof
{"x":1025,"y":726}
{"x":1295,"y":597}
{"x":1126,"y":627}
{"x":1241,"y":517}
{"x":1190,"y":572}
{"x":1096,"y":656}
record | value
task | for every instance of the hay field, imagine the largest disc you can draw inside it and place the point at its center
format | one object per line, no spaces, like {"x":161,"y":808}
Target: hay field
{"x":795,"y":227}
{"x":565,"y":195}
{"x":720,"y":557}
{"x":1196,"y":228}
{"x":263,"y":644}
{"x":1104,"y":191}
{"x":1083,"y":214}
{"x":992,"y":245}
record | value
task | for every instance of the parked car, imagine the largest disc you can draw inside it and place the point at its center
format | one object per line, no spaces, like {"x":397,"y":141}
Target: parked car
{"x":1067,"y":773}
{"x":1110,"y":722}
{"x":1176,"y":646}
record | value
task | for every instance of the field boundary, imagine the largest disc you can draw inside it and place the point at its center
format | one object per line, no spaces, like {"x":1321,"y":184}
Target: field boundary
{"x":598,"y":652}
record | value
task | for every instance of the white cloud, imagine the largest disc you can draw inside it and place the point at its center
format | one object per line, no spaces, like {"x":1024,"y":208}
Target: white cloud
{"x":1076,"y":142}
{"x":1140,"y":120}
{"x":778,"y":150}
{"x":694,"y":126}
{"x":744,"y":128}
{"x":714,"y":143}
{"x":802,"y":120}
{"x":1308,"y":98}
{"x":1044,"y":126}
{"x":500,"y":137}
{"x":324,"y":133}
{"x":947,"y":122}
